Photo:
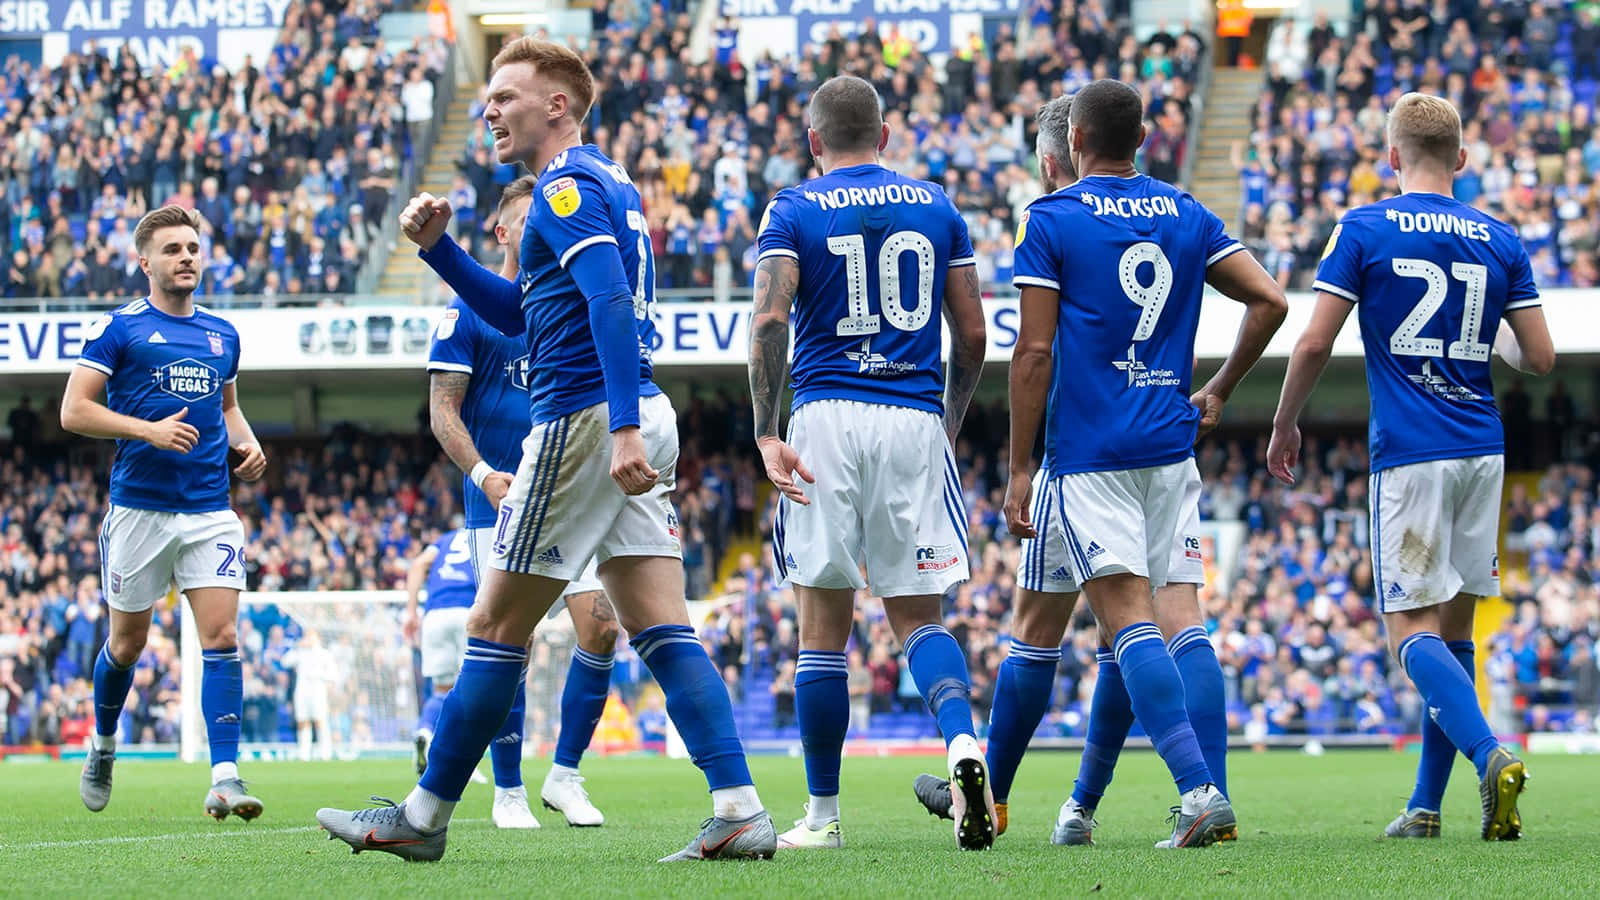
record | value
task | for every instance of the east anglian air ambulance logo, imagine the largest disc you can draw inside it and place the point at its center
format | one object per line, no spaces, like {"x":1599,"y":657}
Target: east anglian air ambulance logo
{"x":1022,"y":229}
{"x":563,"y":197}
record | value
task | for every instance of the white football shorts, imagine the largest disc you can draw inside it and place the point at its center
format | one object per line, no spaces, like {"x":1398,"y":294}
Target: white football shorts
{"x":564,"y":513}
{"x":311,"y":704}
{"x":1435,"y":531}
{"x":886,"y":498}
{"x":482,"y":542}
{"x":444,"y":641}
{"x":1125,"y":521}
{"x":143,"y":552}
{"x":1044,"y":566}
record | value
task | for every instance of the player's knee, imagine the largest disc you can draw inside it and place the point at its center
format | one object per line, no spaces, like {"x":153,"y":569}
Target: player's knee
{"x":124,"y":649}
{"x":219,"y":635}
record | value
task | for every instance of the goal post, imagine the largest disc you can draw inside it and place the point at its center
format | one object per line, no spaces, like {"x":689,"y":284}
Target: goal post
{"x":372,"y":674}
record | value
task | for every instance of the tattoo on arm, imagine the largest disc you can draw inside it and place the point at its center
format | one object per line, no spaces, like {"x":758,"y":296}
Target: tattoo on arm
{"x":602,"y":611}
{"x":446,"y":391}
{"x":966,"y":362}
{"x":777,"y":279}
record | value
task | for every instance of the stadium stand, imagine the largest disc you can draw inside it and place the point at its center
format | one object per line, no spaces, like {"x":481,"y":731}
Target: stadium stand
{"x":291,"y":161}
{"x":1524,"y":77}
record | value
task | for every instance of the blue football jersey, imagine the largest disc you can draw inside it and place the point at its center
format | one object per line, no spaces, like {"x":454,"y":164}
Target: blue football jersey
{"x":495,"y":409}
{"x":1129,"y":256}
{"x":450,"y":580}
{"x":1430,"y":277}
{"x":582,"y":198}
{"x":874,"y":248}
{"x":156,"y":365}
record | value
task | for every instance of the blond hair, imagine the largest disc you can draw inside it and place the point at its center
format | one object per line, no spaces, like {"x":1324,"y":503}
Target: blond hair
{"x":169,"y":216}
{"x":1425,"y":129}
{"x":556,"y":62}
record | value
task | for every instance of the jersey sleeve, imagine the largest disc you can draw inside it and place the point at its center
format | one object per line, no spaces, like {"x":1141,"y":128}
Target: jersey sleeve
{"x":1339,"y":273}
{"x":451,"y":349}
{"x":777,"y":235}
{"x":961,"y":252}
{"x":571,"y":213}
{"x":102,"y":350}
{"x":1035,"y":262}
{"x":1521,"y":292}
{"x":233,"y":362}
{"x":1219,"y":244}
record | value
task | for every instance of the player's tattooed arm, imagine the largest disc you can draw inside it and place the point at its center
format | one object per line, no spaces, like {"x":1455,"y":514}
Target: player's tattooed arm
{"x":446,"y":392}
{"x":963,"y":310}
{"x":777,"y":279}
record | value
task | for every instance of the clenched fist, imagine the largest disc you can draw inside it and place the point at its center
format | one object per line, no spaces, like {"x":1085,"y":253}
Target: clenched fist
{"x":424,"y":219}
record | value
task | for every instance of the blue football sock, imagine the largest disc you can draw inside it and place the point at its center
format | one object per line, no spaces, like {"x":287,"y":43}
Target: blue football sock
{"x":505,"y":751}
{"x":1438,"y":754}
{"x":1110,"y":718}
{"x":429,"y":720}
{"x":1204,"y":698}
{"x":222,"y":702}
{"x":583,"y":699}
{"x":1021,"y":697}
{"x":697,"y":701}
{"x":111,"y":684}
{"x":473,"y":711}
{"x":1156,"y":692}
{"x":939,"y":669}
{"x":1448,"y":696}
{"x":822,"y":704}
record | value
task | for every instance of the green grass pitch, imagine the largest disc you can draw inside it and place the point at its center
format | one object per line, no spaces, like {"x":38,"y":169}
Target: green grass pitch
{"x":1308,"y":828}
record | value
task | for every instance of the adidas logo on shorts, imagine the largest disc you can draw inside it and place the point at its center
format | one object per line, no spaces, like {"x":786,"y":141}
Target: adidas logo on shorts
{"x":1395,"y":591}
{"x":1094,"y":550}
{"x":551,"y":556}
{"x":1060,"y":574}
{"x":788,"y":561}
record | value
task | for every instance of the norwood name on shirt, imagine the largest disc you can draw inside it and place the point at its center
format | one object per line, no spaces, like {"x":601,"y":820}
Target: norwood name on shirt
{"x":876,"y":195}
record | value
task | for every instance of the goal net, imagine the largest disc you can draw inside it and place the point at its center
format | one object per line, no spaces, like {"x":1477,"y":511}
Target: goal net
{"x":350,"y":648}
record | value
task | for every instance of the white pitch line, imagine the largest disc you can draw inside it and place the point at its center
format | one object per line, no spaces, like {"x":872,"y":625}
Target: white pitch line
{"x":247,"y":831}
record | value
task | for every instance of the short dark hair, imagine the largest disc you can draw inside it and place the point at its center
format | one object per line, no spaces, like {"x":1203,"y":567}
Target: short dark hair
{"x":1110,"y":114}
{"x":516,"y":190}
{"x":168,"y":216}
{"x":847,"y":114}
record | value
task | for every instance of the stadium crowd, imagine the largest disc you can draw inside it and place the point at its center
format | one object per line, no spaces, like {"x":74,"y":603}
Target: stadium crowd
{"x":291,"y":159}
{"x":342,"y":513}
{"x":1523,"y":75}
{"x":291,"y":164}
{"x":709,"y":143}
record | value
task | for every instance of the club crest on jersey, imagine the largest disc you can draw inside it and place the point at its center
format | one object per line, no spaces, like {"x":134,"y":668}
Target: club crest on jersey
{"x":215,"y":341}
{"x":563,"y":196}
{"x":447,"y":324}
{"x":187,"y":379}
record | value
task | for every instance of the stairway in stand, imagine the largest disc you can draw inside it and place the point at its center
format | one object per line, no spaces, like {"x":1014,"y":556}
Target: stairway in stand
{"x":1226,"y":121}
{"x":405,"y":278}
